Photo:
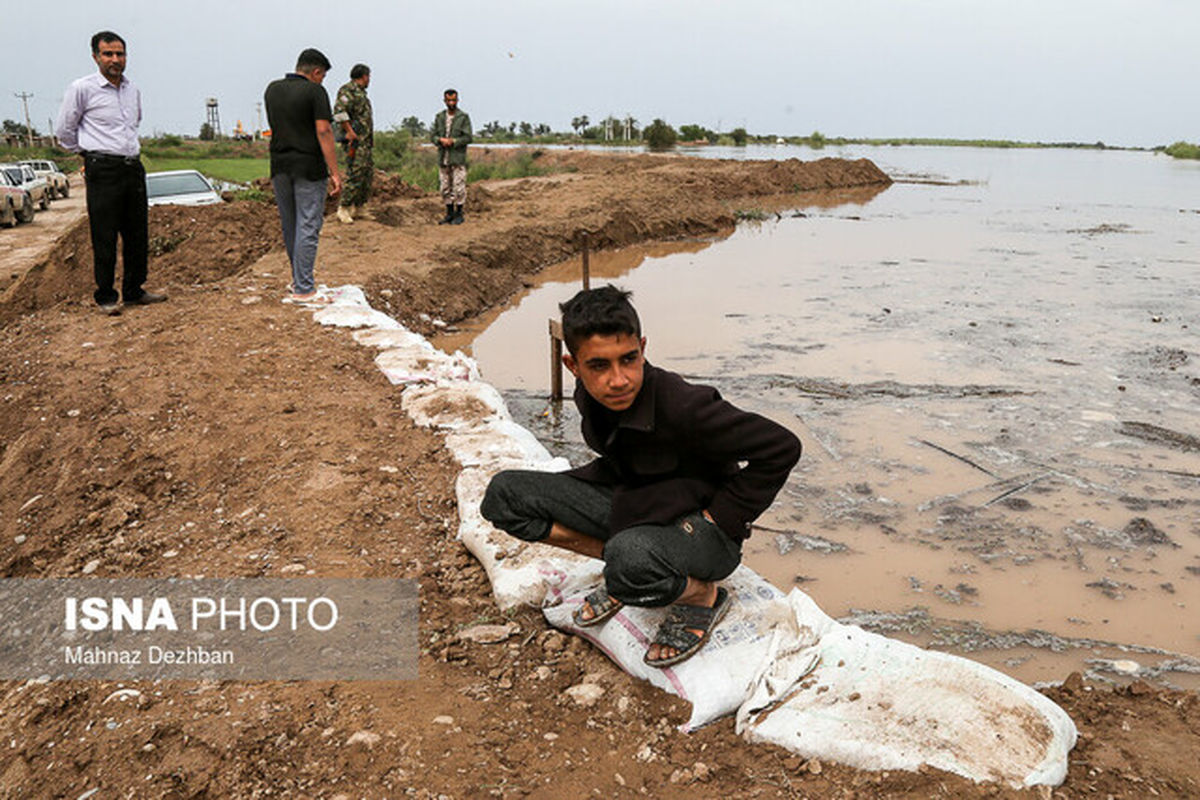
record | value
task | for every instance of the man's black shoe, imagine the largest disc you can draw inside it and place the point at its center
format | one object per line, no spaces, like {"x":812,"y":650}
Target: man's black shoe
{"x":146,"y":298}
{"x":449,"y":218}
{"x":458,"y":216}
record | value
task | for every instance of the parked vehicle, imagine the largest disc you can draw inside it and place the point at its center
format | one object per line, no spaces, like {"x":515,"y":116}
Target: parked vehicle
{"x":16,"y":205}
{"x":180,"y":187}
{"x":10,"y":196}
{"x":23,"y":176}
{"x":48,"y":171}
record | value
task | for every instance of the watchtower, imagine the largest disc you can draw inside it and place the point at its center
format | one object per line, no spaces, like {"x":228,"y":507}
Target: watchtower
{"x":214,"y":118}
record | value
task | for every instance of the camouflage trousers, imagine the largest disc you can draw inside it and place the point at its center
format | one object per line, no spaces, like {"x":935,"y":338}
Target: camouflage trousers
{"x":360,"y":170}
{"x":453,"y":183}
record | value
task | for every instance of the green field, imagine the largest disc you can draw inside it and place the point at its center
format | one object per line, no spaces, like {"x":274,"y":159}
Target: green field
{"x":234,"y":170}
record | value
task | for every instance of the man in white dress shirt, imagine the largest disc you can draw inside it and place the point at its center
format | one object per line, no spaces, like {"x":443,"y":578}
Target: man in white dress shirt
{"x":99,"y":119}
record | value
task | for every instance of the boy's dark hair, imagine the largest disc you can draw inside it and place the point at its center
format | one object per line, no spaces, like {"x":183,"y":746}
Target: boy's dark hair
{"x":450,"y":91}
{"x":310,"y":58}
{"x":358,"y":70}
{"x":605,"y":311}
{"x":105,"y":36}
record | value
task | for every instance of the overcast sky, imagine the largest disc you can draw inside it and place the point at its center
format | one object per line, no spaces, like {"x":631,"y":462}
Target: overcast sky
{"x":1118,"y":71}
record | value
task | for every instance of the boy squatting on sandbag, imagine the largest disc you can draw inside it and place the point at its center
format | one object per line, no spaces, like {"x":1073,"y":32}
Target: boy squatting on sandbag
{"x":681,"y":475}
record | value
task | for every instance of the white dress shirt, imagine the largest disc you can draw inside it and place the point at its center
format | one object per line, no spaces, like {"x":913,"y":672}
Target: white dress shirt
{"x":99,"y":117}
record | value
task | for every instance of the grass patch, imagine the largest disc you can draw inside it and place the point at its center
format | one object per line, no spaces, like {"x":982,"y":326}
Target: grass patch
{"x":254,"y":195}
{"x":234,"y":170}
{"x":66,"y":160}
{"x":522,"y":165}
{"x":419,"y":166}
{"x":171,"y":146}
{"x":1183,"y":150}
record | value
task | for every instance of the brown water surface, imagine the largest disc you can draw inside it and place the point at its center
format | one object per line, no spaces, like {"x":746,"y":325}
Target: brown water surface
{"x":995,"y":382}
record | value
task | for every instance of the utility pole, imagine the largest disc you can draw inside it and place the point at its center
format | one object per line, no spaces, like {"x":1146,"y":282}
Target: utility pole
{"x":258,"y":110}
{"x":28,"y":125}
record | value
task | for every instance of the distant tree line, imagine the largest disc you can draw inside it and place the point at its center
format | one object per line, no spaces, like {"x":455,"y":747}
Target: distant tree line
{"x":18,"y":129}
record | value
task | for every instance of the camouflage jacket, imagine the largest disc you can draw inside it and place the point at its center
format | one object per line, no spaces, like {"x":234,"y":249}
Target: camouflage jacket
{"x":353,"y":101}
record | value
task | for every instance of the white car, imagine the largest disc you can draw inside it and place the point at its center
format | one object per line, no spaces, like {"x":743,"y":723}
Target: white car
{"x":180,"y":187}
{"x":15,"y":203}
{"x":22,"y":175}
{"x":48,"y":171}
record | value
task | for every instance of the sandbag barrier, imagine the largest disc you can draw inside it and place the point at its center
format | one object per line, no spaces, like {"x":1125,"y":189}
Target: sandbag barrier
{"x":792,"y":675}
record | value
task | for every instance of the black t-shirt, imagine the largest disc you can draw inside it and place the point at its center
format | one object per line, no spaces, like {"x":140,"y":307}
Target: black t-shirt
{"x":294,"y":104}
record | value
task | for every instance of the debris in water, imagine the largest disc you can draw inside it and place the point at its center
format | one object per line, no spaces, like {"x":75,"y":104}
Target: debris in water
{"x":787,"y":542}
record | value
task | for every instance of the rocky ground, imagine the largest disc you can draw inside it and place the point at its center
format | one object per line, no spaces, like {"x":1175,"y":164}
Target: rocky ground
{"x":224,"y":434}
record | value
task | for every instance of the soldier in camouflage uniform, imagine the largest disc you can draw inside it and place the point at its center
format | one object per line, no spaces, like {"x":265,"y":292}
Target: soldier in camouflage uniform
{"x":352,"y":112}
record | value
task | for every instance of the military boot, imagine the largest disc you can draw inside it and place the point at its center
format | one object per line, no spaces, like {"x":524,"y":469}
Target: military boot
{"x":458,"y":216}
{"x":446,"y":220}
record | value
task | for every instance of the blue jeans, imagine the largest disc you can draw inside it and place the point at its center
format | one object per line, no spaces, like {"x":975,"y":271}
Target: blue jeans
{"x":301,"y":206}
{"x":646,"y":565}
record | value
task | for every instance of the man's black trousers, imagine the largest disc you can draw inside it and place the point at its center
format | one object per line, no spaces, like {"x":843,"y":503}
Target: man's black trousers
{"x":116,"y":202}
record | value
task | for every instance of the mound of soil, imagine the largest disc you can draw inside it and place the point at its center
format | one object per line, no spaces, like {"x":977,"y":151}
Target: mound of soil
{"x":207,"y":243}
{"x":386,"y":187}
{"x":187,"y":245}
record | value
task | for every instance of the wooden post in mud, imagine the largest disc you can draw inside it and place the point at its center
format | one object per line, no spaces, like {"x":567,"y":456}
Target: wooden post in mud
{"x":556,"y":349}
{"x":587,"y":276}
{"x":556,"y":334}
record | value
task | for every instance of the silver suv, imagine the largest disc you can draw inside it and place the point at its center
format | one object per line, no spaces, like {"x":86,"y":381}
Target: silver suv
{"x":51,"y":174}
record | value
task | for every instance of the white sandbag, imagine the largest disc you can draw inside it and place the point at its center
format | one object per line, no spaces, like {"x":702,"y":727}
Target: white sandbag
{"x":349,"y":309}
{"x":521,"y":573}
{"x":878,"y":703}
{"x":405,"y":365}
{"x":457,"y":405}
{"x":346,"y":295}
{"x":388,"y":338}
{"x":353,"y":317}
{"x":499,"y":444}
{"x":718,"y":678}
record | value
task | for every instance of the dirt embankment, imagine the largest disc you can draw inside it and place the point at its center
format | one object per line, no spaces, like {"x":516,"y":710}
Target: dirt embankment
{"x":223,"y":434}
{"x":613,"y":201}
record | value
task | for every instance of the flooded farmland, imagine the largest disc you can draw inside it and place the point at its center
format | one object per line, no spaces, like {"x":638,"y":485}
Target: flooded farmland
{"x":993,"y":366}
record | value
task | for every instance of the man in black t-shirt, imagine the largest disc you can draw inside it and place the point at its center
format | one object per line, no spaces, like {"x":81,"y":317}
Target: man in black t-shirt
{"x":303,"y":164}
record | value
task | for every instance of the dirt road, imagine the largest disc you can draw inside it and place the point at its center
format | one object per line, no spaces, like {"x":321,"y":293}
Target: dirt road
{"x":225,"y":434}
{"x":21,"y":246}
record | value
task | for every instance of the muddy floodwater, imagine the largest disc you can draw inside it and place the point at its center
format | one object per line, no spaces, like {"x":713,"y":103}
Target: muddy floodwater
{"x":994,"y":368}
